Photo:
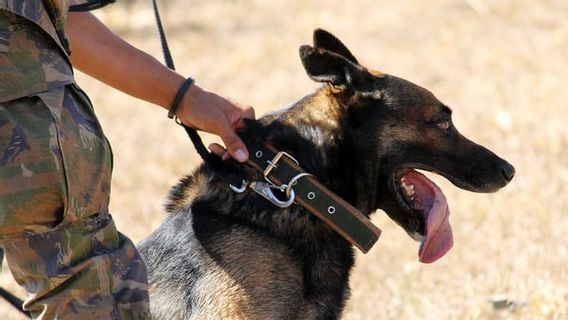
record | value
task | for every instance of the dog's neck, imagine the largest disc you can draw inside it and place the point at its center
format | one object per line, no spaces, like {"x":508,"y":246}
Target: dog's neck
{"x":316,"y":130}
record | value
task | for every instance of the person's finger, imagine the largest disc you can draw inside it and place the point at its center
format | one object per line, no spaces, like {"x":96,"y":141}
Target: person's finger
{"x":247,"y":113}
{"x":220,"y":151}
{"x":234,"y":144}
{"x":217,"y":149}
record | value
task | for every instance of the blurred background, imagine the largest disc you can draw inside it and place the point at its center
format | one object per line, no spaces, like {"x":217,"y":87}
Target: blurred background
{"x":502,"y":65}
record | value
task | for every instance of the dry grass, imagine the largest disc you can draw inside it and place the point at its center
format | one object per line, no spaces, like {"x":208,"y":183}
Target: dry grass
{"x":501,"y":65}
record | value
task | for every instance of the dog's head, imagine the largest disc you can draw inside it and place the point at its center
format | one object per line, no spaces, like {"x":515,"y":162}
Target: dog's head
{"x":395,"y":127}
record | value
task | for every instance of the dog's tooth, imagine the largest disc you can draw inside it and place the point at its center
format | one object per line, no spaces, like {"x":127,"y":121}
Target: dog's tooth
{"x":416,"y":236}
{"x":407,"y":188}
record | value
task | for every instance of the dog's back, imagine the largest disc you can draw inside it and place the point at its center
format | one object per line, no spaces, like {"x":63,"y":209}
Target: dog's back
{"x":225,"y":272}
{"x":206,"y":263}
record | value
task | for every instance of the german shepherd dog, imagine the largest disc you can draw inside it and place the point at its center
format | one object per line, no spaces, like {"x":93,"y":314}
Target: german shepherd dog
{"x":224,"y":255}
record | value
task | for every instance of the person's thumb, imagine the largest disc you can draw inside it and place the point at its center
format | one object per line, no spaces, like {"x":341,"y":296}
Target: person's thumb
{"x":234,"y":144}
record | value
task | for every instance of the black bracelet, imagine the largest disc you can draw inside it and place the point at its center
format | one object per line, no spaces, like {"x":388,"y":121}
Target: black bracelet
{"x":179,"y":95}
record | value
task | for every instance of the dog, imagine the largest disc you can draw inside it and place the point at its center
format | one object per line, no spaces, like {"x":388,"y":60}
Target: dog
{"x":226,"y":255}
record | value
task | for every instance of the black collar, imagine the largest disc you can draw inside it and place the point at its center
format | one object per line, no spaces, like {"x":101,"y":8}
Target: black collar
{"x":282,"y":172}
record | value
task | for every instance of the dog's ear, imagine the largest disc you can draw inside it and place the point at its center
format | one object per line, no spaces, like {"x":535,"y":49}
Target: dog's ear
{"x":325,"y":40}
{"x":326,"y":66}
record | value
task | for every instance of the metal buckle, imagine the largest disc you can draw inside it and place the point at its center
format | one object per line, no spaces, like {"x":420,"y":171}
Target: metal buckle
{"x":294,"y":180}
{"x":265,"y":190}
{"x":240,"y":189}
{"x":274,"y":164}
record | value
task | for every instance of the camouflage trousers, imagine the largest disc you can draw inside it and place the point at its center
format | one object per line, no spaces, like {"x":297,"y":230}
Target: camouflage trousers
{"x":60,"y":242}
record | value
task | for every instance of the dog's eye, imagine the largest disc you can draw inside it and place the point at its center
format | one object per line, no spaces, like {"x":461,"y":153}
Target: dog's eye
{"x":444,"y":125}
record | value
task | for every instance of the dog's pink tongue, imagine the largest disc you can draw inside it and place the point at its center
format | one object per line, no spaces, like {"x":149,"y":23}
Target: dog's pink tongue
{"x":430,"y":200}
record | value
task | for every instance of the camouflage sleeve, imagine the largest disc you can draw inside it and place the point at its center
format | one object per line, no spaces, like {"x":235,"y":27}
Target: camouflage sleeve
{"x":30,"y":61}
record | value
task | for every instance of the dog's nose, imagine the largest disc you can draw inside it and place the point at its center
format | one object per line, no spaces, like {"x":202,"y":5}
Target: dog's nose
{"x":508,"y":171}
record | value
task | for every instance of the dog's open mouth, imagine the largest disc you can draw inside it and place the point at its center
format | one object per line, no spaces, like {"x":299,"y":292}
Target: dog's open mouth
{"x":423,"y":196}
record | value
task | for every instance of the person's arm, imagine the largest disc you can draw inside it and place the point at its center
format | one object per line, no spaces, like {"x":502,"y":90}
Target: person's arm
{"x":100,"y":53}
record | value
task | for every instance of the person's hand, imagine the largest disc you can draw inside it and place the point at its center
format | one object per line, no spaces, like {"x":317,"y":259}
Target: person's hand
{"x":206,"y":111}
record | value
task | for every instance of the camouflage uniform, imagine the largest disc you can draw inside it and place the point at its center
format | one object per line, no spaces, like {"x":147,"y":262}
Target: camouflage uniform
{"x":55,"y":169}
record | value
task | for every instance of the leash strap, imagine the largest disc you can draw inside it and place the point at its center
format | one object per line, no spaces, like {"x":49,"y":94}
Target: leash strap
{"x":280,"y":168}
{"x":163,"y":41}
{"x":192,"y":133}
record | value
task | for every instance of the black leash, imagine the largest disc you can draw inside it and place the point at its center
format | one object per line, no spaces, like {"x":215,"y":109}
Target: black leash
{"x":14,"y":301}
{"x":163,"y":41}
{"x":207,"y":157}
